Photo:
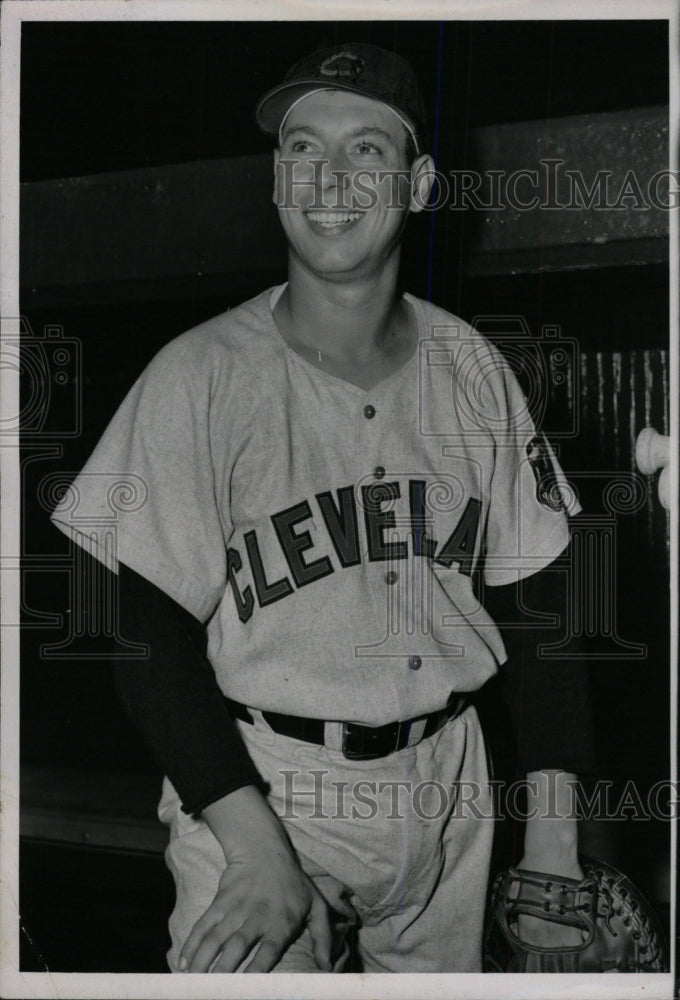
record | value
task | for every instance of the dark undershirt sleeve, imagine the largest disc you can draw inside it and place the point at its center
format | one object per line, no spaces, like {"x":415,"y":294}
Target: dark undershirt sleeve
{"x":548,"y":699}
{"x":173,"y":698}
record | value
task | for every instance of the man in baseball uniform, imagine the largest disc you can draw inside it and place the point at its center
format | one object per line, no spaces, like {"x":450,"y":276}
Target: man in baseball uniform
{"x":342,"y":495}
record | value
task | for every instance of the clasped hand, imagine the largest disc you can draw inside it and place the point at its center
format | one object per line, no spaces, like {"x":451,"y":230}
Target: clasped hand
{"x":264,"y":900}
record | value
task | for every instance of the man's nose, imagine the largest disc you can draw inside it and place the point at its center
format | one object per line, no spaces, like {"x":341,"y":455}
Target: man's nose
{"x":335,"y":174}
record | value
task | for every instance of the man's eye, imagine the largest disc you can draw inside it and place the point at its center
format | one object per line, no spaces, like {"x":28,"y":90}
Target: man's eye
{"x":367,"y":148}
{"x":301,"y":146}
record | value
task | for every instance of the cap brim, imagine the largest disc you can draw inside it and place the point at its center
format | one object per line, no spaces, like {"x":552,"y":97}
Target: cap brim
{"x":272,"y":108}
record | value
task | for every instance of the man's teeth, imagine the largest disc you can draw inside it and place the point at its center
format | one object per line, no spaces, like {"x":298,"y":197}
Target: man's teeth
{"x":330,"y":219}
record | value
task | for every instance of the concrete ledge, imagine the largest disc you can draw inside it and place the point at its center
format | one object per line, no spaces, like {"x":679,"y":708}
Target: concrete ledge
{"x":212,"y":225}
{"x":92,"y":809}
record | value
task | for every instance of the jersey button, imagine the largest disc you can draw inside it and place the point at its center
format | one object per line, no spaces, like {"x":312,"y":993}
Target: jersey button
{"x":391,"y":577}
{"x":369,"y":411}
{"x":415,"y":663}
{"x":379,"y":472}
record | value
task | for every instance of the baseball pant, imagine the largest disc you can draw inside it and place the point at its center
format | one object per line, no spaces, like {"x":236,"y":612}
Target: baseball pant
{"x":399,"y":845}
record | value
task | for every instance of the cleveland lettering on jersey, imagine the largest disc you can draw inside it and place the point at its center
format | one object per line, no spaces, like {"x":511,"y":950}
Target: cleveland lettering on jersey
{"x":340,"y":518}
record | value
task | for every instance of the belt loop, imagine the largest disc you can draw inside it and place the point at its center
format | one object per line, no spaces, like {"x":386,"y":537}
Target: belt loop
{"x":259,"y":720}
{"x":416,"y":731}
{"x":332,"y":735}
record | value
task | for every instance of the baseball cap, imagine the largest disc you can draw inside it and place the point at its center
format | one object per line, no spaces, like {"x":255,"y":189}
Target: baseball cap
{"x":354,"y":66}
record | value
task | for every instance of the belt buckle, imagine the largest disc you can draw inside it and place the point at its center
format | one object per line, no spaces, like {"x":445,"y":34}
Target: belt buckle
{"x":353,"y":734}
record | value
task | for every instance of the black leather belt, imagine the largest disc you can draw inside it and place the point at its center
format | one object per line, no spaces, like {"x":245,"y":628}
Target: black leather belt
{"x":358,"y":742}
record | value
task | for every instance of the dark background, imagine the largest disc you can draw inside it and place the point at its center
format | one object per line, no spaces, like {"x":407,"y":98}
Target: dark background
{"x":101,"y":97}
{"x":109,"y":97}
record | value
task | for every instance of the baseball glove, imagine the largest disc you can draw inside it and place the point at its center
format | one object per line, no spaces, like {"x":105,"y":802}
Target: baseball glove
{"x":619,"y":929}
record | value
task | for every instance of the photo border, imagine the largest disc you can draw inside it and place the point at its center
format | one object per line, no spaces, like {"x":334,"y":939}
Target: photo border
{"x":14,"y":983}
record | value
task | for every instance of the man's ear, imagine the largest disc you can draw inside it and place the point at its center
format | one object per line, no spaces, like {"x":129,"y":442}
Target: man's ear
{"x":422,"y":180}
{"x":275,"y":195}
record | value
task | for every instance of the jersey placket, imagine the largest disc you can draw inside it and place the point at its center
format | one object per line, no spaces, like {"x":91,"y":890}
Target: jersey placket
{"x":389,"y":569}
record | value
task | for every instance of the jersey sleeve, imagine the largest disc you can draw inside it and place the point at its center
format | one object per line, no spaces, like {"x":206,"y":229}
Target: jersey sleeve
{"x":146,"y":496}
{"x":530,"y":497}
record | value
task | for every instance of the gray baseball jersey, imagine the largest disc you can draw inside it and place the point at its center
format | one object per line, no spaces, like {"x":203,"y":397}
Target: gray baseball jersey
{"x":329,"y":534}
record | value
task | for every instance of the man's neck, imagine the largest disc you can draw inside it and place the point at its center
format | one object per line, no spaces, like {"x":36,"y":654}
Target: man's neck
{"x":349,"y":322}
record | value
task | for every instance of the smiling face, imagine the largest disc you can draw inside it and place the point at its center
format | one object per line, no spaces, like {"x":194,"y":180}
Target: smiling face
{"x":343,"y":185}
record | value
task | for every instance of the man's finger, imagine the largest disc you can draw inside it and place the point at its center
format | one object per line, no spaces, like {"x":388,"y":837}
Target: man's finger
{"x":198,"y":932}
{"x":267,"y":955}
{"x":217,"y":917}
{"x":320,"y":928}
{"x":250,"y":941}
{"x":215,"y":942}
